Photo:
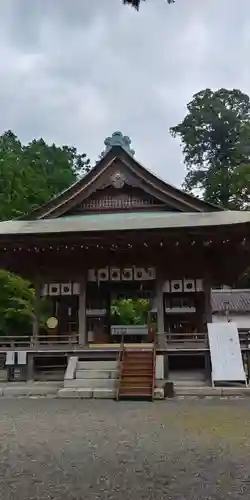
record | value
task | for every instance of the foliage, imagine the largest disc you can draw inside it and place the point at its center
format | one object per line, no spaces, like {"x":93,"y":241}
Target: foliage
{"x":130,"y":311}
{"x":32,"y":174}
{"x":240,"y":186}
{"x":215,"y":135}
{"x":17,"y":301}
{"x":136,"y":3}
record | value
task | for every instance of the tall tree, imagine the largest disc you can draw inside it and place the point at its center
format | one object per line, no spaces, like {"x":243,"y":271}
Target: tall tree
{"x":32,"y":174}
{"x":136,"y":3}
{"x":215,"y":135}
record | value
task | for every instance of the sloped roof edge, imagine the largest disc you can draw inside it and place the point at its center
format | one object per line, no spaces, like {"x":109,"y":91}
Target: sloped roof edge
{"x":125,"y":221}
{"x":105,"y":161}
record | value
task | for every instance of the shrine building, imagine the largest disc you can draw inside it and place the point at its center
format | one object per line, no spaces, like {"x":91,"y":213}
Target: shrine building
{"x":122,"y":232}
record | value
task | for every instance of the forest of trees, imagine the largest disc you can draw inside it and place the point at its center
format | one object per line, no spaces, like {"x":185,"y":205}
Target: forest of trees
{"x":215,"y":138}
{"x":30,"y":175}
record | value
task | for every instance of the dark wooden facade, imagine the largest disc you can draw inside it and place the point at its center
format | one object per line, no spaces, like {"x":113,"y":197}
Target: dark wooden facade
{"x":118,"y":184}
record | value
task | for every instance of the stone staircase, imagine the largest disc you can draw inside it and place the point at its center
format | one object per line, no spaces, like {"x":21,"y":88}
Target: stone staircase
{"x":90,"y":379}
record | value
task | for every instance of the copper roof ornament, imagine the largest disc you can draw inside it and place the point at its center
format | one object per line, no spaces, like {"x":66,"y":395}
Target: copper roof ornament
{"x":118,"y":139}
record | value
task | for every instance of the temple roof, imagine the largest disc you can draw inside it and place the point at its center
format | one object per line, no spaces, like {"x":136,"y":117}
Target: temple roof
{"x":118,"y":160}
{"x":125,"y":221}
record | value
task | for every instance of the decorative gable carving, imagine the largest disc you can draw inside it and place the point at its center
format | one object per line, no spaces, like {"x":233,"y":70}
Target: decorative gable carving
{"x":112,"y":198}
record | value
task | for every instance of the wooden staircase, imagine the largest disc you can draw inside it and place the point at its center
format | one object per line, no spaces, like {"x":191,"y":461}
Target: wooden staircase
{"x":137,"y":373}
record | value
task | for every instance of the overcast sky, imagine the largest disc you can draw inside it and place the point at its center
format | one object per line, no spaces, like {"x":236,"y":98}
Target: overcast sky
{"x":74,"y":71}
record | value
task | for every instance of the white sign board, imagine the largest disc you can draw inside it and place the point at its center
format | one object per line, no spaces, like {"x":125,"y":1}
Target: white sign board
{"x":21,"y":357}
{"x":10,"y":358}
{"x":16,"y":358}
{"x":226,"y":358}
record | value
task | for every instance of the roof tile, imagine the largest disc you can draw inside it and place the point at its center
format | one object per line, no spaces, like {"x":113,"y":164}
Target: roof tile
{"x":234,"y":300}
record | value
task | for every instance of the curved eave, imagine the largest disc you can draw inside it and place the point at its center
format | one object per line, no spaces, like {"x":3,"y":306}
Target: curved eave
{"x":124,"y":222}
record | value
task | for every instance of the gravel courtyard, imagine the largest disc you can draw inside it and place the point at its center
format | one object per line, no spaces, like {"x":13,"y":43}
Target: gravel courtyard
{"x":184,"y":449}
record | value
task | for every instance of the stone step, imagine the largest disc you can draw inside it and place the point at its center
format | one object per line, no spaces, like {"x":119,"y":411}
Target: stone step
{"x":74,"y":393}
{"x":190,"y":375}
{"x":93,"y":383}
{"x":100,"y":374}
{"x":96,"y":365}
{"x":104,"y":393}
{"x":97,"y":393}
{"x":87,"y":393}
{"x":191,"y":383}
{"x":212,"y":391}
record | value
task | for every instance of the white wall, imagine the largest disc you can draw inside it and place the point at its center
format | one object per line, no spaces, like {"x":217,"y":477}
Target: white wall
{"x":241,"y":320}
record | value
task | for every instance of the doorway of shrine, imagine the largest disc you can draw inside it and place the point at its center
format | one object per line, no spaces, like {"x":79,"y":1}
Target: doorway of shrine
{"x":120,"y":311}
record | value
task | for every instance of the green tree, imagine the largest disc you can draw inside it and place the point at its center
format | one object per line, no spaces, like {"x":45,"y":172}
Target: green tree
{"x":17,"y":302}
{"x":240,"y":187}
{"x":130,"y":311}
{"x":32,"y":174}
{"x":215,"y":135}
{"x":136,"y":3}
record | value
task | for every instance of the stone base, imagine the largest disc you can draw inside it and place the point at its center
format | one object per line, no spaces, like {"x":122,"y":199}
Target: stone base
{"x":159,"y":393}
{"x":104,"y":394}
{"x":86,"y":393}
{"x":83,"y":393}
{"x":212,"y":391}
{"x":16,"y":389}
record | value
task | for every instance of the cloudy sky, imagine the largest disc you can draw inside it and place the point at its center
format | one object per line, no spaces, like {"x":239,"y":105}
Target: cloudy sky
{"x":74,"y":71}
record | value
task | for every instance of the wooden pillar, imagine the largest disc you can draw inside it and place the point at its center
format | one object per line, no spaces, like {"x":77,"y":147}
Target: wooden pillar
{"x":208,"y":301}
{"x":36,"y":317}
{"x":82,"y":327}
{"x":166,"y":366}
{"x":248,"y":365}
{"x":208,"y":370}
{"x":160,"y":313}
{"x":30,"y":367}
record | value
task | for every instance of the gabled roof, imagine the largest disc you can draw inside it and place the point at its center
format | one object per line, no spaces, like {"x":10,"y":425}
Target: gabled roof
{"x":118,"y":158}
{"x":233,"y":300}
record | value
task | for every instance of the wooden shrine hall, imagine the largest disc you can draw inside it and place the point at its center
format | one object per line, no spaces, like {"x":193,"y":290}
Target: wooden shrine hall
{"x":120,"y":232}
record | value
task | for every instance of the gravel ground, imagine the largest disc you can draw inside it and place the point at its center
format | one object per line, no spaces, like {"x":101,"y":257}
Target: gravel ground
{"x":72,"y":450}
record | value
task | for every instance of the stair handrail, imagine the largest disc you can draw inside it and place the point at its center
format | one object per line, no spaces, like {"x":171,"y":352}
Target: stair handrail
{"x":154,"y":368}
{"x":120,"y":365}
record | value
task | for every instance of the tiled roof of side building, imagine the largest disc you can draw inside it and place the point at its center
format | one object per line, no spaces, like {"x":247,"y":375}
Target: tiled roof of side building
{"x":233,"y":300}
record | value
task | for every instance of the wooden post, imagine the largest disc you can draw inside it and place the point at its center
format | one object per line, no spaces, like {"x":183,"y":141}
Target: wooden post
{"x":30,"y":367}
{"x":208,"y":319}
{"x":36,"y":319}
{"x":248,"y":365}
{"x":82,"y":313}
{"x":166,"y":366}
{"x":208,"y":299}
{"x":207,"y":366}
{"x":160,"y":313}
